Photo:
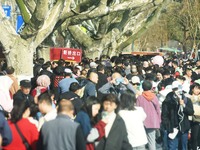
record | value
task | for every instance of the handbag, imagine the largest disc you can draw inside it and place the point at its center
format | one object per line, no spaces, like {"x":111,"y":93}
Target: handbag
{"x":25,"y":142}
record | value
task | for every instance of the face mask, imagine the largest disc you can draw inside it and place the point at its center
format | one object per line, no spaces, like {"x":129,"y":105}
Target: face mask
{"x":118,"y":81}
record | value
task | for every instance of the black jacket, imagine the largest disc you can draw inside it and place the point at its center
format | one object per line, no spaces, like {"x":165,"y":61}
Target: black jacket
{"x":75,"y":99}
{"x":20,"y":95}
{"x":117,"y":138}
{"x":170,"y":113}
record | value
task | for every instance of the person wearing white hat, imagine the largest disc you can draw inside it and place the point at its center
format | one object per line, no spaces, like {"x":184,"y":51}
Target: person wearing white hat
{"x":135,"y":81}
{"x":64,"y":84}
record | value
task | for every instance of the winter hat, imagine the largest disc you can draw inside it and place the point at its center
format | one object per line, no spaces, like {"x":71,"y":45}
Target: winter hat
{"x":43,"y":80}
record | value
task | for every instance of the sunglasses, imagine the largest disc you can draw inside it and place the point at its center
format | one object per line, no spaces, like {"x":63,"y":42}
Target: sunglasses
{"x":136,"y":84}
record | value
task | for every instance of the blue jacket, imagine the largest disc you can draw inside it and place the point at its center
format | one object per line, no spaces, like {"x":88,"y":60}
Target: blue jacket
{"x":84,"y":120}
{"x":5,"y":130}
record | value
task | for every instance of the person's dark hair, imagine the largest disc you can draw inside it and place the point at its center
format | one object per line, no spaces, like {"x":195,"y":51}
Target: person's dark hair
{"x":74,"y":86}
{"x":33,"y":109}
{"x":45,"y":66}
{"x":41,"y":61}
{"x":175,"y":63}
{"x":181,"y":78}
{"x":127,"y":100}
{"x":100,"y":67}
{"x":18,"y":109}
{"x":111,"y":98}
{"x":10,"y":70}
{"x":150,"y":76}
{"x":87,"y":107}
{"x":118,"y":61}
{"x":45,"y":97}
{"x":59,"y":70}
{"x":193,"y":86}
{"x":61,"y":62}
{"x":146,"y":85}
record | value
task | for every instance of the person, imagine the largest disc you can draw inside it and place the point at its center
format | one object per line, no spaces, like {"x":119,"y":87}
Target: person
{"x":175,"y":111}
{"x":46,"y":109}
{"x":178,"y":70}
{"x":10,"y":73}
{"x":195,"y":122}
{"x":133,"y":117}
{"x":20,"y":123}
{"x":43,"y":83}
{"x":149,"y":102}
{"x":5,"y":98}
{"x":5,"y":131}
{"x":135,"y":81}
{"x":64,"y":84}
{"x":62,"y":132}
{"x":116,"y":137}
{"x":117,"y":85}
{"x":90,"y":87}
{"x":72,"y":95}
{"x":102,"y":78}
{"x":87,"y":118}
{"x":24,"y":91}
{"x":38,"y":67}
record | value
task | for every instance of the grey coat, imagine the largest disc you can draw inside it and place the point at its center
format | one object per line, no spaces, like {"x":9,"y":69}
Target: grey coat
{"x":61,"y":134}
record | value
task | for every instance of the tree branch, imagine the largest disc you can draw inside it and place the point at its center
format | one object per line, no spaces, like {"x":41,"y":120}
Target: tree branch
{"x":51,"y":20}
{"x":102,"y":10}
{"x":24,"y":10}
{"x":9,"y":33}
{"x":30,"y":4}
{"x":79,"y":36}
{"x":37,"y":19}
{"x":143,"y":26}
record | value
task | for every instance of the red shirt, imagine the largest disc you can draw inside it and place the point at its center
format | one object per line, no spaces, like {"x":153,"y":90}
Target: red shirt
{"x":29,"y":131}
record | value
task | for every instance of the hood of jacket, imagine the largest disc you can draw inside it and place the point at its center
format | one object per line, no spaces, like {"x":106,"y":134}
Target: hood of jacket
{"x":149,"y":95}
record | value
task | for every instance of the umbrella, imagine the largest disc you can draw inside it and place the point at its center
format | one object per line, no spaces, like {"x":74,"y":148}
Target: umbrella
{"x":170,"y":49}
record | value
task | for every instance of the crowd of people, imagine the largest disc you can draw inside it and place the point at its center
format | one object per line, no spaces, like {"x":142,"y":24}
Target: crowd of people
{"x":116,"y":103}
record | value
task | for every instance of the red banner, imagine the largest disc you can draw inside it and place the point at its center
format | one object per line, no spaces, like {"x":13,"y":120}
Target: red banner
{"x":68,"y":54}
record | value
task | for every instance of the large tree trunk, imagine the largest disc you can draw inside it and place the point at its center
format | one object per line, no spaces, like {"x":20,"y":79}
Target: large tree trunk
{"x":21,"y":58}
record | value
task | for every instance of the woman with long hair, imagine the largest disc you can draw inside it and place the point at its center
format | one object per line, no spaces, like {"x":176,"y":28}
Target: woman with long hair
{"x":195,"y":123}
{"x":92,"y":129}
{"x":133,"y":117}
{"x":22,"y":127}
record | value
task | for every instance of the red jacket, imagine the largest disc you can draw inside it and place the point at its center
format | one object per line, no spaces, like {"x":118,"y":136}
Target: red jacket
{"x":29,"y":131}
{"x":100,"y":127}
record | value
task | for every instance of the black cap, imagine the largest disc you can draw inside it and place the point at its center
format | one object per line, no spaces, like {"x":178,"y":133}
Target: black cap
{"x":25,"y":83}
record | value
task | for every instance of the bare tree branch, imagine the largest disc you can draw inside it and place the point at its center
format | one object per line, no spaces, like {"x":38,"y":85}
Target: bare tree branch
{"x":24,"y":10}
{"x":149,"y":21}
{"x":37,"y":19}
{"x":30,"y":4}
{"x":102,"y":10}
{"x":51,"y":20}
{"x":79,"y":36}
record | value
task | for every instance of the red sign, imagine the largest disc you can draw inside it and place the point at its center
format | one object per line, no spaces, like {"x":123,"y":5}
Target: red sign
{"x":68,"y":54}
